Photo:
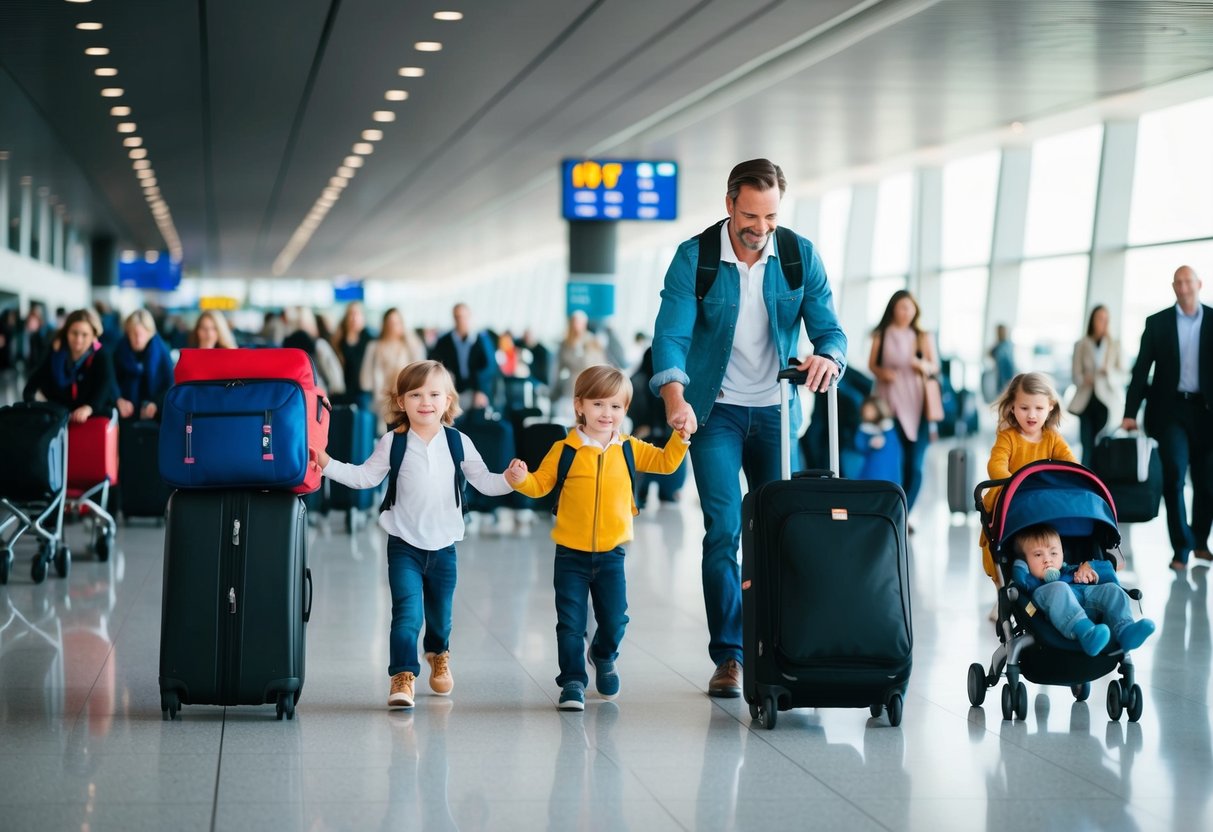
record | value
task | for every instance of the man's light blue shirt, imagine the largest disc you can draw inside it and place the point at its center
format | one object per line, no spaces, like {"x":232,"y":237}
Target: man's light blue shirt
{"x":1189,"y":348}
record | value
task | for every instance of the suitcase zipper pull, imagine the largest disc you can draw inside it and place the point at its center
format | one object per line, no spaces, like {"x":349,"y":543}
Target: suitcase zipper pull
{"x":235,"y":532}
{"x":231,"y":600}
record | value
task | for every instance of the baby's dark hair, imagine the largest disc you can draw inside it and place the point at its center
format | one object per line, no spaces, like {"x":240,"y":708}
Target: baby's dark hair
{"x":883,"y":411}
{"x":1040,"y":533}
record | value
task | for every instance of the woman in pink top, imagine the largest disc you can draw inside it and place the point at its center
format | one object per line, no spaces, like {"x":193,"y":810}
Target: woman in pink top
{"x":902,"y":357}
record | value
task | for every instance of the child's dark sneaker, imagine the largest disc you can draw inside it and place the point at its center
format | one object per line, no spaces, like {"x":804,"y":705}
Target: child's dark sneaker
{"x":1134,"y":635}
{"x":1092,"y":637}
{"x":572,"y":697}
{"x":606,"y":678}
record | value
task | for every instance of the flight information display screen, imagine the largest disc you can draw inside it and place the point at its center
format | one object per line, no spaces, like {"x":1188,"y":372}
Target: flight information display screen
{"x":618,"y":189}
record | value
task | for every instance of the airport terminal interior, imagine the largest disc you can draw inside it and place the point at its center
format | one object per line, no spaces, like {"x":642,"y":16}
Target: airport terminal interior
{"x":1014,"y":164}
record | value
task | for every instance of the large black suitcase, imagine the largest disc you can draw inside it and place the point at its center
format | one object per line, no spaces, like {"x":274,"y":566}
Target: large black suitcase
{"x":494,"y":439}
{"x":237,"y":594}
{"x":825,"y":592}
{"x":143,"y":492}
{"x":1117,"y":461}
{"x":33,"y":445}
{"x":535,"y":440}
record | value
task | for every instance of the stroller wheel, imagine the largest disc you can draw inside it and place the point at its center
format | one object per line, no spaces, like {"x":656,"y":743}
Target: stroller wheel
{"x":977,"y":685}
{"x":63,"y":560}
{"x":38,"y":569}
{"x":1133,"y":709}
{"x":6,"y":565}
{"x":1115,"y":705}
{"x":1008,"y":704}
{"x":1021,"y":701}
{"x":1081,"y":692}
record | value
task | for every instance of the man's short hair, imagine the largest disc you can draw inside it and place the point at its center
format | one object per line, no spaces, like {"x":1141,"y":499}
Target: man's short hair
{"x":760,"y":174}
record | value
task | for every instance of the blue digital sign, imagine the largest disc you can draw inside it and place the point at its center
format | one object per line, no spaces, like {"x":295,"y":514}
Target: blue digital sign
{"x":618,"y":189}
{"x":162,"y":273}
{"x":345,"y":291}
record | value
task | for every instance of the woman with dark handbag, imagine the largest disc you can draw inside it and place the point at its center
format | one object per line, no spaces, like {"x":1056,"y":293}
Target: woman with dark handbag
{"x":904,"y":362}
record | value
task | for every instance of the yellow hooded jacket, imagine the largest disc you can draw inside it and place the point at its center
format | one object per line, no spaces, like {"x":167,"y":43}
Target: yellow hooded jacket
{"x":596,"y":505}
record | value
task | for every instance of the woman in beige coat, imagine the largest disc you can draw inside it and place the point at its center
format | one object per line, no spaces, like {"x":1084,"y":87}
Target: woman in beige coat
{"x":394,"y":349}
{"x":1099,"y":378}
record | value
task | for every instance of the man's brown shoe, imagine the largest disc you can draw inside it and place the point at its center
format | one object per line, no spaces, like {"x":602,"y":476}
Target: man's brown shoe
{"x":726,"y":681}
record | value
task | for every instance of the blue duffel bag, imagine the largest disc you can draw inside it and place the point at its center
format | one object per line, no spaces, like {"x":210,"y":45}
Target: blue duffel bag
{"x":251,"y":433}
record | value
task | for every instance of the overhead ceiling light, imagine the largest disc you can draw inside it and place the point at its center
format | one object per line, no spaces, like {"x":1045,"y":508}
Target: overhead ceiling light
{"x":121,"y":111}
{"x":151,"y":256}
{"x":427,"y":46}
{"x":332,"y":193}
{"x":146,"y":173}
{"x":411,"y":72}
{"x":448,"y":16}
{"x":112,"y":92}
{"x":97,"y":50}
{"x":396,"y":95}
{"x":132,"y":141}
{"x":1017,"y":127}
{"x":126,"y":127}
{"x":372,"y":135}
{"x":363,"y":148}
{"x":338,"y":181}
{"x":89,"y":27}
{"x":138,"y":153}
{"x":150,"y":184}
{"x":383,"y":116}
{"x":346,"y":171}
{"x":105,"y":71}
{"x":353,"y":161}
{"x":142,"y":164}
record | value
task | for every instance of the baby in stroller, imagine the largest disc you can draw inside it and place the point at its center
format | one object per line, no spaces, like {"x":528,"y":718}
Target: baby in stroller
{"x":1070,"y":594}
{"x":1066,"y":627}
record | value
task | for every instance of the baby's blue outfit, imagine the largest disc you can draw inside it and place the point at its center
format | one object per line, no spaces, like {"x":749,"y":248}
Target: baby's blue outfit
{"x":883,"y":463}
{"x":1068,"y":604}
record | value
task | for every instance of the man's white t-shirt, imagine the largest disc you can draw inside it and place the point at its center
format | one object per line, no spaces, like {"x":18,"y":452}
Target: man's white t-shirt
{"x":750,"y":377}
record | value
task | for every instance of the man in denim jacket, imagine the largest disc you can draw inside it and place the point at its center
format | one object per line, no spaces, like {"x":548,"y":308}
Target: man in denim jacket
{"x":715,"y":363}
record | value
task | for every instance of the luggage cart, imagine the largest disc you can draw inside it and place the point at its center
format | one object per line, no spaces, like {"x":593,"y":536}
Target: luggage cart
{"x":33,"y":488}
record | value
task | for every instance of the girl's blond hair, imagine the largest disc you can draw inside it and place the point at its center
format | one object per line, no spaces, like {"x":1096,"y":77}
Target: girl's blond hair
{"x":1031,"y":384}
{"x":413,"y":376}
{"x":601,"y":381}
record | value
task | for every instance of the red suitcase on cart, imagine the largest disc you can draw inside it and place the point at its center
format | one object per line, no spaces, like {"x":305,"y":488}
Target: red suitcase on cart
{"x":92,"y":452}
{"x":198,"y":367}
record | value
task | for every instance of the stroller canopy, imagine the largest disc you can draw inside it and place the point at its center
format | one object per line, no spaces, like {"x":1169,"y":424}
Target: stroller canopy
{"x":1064,"y":495}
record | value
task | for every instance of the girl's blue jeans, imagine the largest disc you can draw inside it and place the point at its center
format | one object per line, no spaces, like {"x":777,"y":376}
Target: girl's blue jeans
{"x":423,"y":586}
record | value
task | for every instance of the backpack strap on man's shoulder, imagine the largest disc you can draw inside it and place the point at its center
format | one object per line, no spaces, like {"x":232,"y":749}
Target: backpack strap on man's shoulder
{"x":562,"y":471}
{"x":399,"y":443}
{"x":788,"y":246}
{"x":709,"y":259}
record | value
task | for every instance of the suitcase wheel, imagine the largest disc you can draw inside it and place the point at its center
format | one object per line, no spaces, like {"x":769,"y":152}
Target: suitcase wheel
{"x":286,"y":705}
{"x":766,"y":713}
{"x":170,"y":703}
{"x":875,"y":710}
{"x":894,"y":708}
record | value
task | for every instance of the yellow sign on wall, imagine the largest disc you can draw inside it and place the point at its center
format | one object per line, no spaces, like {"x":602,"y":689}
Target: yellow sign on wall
{"x":220,"y":302}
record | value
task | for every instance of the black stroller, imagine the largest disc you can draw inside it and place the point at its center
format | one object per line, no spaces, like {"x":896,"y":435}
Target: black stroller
{"x":1079,"y":506}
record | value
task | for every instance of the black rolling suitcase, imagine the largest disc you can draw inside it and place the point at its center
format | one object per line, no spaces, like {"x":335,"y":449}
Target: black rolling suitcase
{"x":351,"y":439}
{"x":494,"y":439}
{"x":143,"y":492}
{"x":825,"y":590}
{"x":1132,"y":469}
{"x":237,"y":594}
{"x":534,"y":442}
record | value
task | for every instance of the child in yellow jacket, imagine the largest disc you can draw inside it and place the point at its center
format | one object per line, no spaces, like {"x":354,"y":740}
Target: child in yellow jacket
{"x":594,"y":510}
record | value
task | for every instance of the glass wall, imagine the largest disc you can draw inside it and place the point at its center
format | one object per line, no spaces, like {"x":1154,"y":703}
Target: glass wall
{"x":1173,"y":178}
{"x":1061,"y":193}
{"x":1052,"y":294}
{"x":970,"y":187}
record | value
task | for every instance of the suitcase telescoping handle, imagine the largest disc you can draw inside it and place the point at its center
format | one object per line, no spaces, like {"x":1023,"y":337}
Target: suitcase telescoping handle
{"x":793,"y":376}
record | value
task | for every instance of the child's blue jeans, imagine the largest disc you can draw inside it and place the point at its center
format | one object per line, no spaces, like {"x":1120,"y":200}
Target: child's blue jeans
{"x":1067,"y":604}
{"x":423,"y":585}
{"x":598,"y":575}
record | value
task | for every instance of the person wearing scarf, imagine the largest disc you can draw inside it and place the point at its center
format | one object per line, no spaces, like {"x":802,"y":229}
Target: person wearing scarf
{"x":143,"y":367}
{"x":76,"y":373}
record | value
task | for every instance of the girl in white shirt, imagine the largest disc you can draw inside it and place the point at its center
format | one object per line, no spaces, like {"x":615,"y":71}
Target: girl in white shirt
{"x":423,"y":516}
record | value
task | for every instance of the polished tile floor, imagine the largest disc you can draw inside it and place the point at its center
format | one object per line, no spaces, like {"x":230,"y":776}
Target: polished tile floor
{"x":83,"y":746}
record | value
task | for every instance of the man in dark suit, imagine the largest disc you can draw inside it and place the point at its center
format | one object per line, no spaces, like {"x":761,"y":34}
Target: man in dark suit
{"x":1180,"y":349}
{"x":471,"y":357}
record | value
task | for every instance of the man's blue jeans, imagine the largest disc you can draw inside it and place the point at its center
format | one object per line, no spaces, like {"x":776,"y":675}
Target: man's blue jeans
{"x":1067,"y":604}
{"x":423,"y":585}
{"x":733,"y":440}
{"x":598,"y":575}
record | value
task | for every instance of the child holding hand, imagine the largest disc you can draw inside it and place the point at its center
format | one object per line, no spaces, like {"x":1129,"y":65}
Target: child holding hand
{"x":592,"y":471}
{"x":427,"y":463}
